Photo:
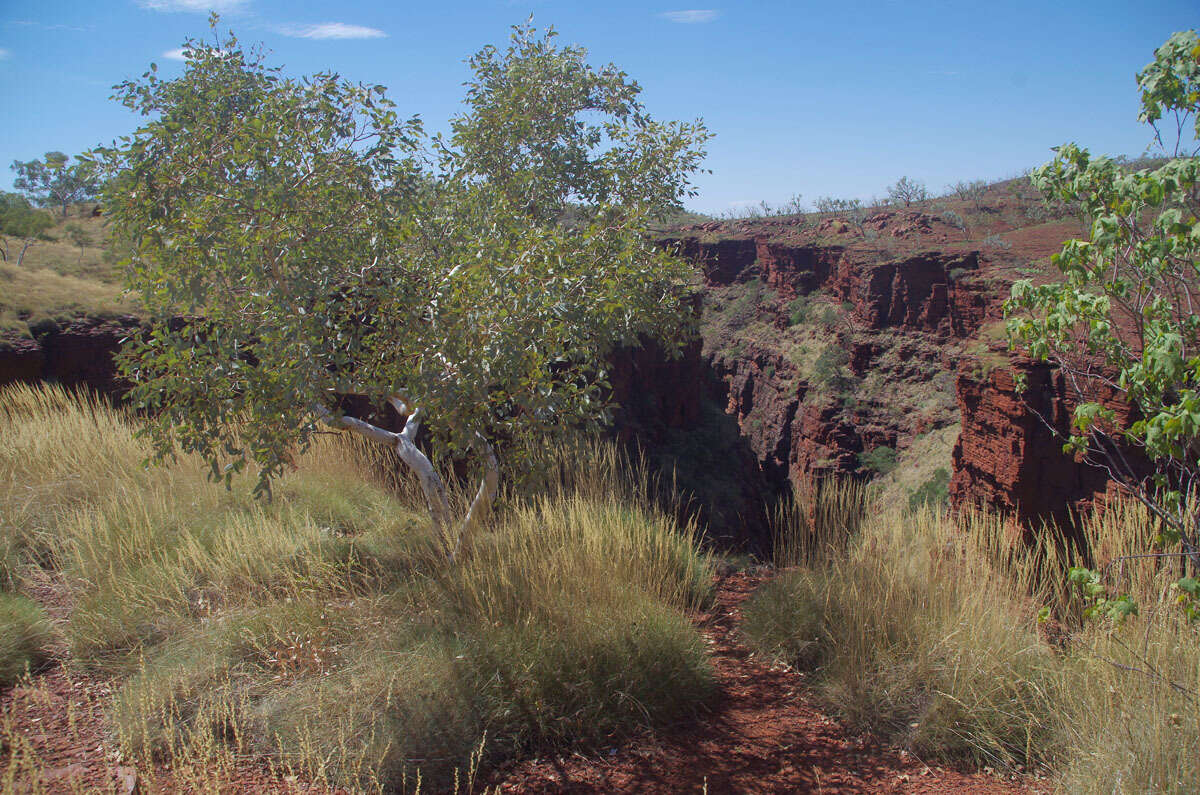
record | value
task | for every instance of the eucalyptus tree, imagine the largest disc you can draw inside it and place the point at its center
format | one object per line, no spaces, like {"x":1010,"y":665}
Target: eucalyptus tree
{"x":297,"y":240}
{"x":20,"y":222}
{"x":55,"y":182}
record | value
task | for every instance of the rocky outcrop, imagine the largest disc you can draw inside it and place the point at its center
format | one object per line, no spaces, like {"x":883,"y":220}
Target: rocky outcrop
{"x":795,"y":270}
{"x":77,"y":354}
{"x":671,"y":411}
{"x":912,"y":292}
{"x":762,"y":393}
{"x":655,"y":393}
{"x":721,"y":261}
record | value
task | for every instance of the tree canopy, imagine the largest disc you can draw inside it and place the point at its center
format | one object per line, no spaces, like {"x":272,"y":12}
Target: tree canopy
{"x":19,"y":221}
{"x":297,"y":240}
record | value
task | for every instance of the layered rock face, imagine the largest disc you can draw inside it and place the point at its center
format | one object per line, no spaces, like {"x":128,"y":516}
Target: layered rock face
{"x":670,"y":411}
{"x":1009,"y":455}
{"x":900,"y":319}
{"x":79,"y":354}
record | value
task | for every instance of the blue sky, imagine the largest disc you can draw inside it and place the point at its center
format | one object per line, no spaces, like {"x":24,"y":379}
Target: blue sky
{"x":830,"y":98}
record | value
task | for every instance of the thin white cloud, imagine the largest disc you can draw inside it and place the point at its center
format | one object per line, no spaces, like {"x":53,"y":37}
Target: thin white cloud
{"x":57,"y":26}
{"x":331,"y":30}
{"x":220,"y":6}
{"x":692,"y":16}
{"x":177,"y":54}
{"x":4,"y":54}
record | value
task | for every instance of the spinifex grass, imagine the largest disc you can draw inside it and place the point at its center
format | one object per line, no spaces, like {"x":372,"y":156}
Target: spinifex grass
{"x":24,"y":637}
{"x":322,"y":630}
{"x":925,"y":628}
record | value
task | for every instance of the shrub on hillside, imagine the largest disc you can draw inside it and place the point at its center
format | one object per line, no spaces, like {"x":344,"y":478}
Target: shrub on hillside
{"x":797,"y":310}
{"x":972,"y":191}
{"x":881,"y":460}
{"x":830,"y":369}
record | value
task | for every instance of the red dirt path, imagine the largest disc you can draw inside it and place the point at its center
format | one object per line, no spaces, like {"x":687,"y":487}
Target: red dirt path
{"x":761,"y":734}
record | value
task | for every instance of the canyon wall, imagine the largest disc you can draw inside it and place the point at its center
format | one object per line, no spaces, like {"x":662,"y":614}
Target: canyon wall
{"x":1009,"y":455}
{"x":737,"y":420}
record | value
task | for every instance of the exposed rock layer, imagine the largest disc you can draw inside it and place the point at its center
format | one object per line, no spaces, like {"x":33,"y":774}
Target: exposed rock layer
{"x":1009,"y":455}
{"x":79,"y":354}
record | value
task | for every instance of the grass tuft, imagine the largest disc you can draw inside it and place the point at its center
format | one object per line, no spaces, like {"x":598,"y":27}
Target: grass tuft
{"x":925,"y":628}
{"x":24,"y":637}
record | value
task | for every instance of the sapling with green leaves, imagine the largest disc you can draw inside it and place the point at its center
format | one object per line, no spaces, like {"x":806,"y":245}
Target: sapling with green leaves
{"x":20,"y":223}
{"x":1122,"y":325}
{"x":298,"y":241}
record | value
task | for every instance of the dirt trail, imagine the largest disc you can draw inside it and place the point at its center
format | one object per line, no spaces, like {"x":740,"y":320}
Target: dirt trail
{"x":762,"y":735}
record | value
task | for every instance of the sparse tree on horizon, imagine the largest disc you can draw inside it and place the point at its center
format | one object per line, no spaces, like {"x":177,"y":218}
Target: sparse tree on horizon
{"x":909,"y":191}
{"x":53,"y":183}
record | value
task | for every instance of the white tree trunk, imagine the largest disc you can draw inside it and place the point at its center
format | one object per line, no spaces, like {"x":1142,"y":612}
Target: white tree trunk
{"x":430,"y":481}
{"x":25,"y":245}
{"x":484,"y":497}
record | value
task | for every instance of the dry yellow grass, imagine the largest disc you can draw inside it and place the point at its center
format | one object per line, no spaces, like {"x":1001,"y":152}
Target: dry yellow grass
{"x":926,"y":628}
{"x":322,"y":630}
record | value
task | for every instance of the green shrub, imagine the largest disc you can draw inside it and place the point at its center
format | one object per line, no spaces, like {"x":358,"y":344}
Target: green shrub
{"x":880,"y":460}
{"x":24,"y":637}
{"x":797,"y":310}
{"x":744,"y":307}
{"x":830,"y":370}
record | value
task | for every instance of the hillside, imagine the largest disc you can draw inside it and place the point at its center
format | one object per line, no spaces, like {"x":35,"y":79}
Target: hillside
{"x":59,"y":281}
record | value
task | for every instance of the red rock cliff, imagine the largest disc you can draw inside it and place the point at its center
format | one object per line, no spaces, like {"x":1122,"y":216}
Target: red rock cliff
{"x":1007,"y":457}
{"x":79,"y":354}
